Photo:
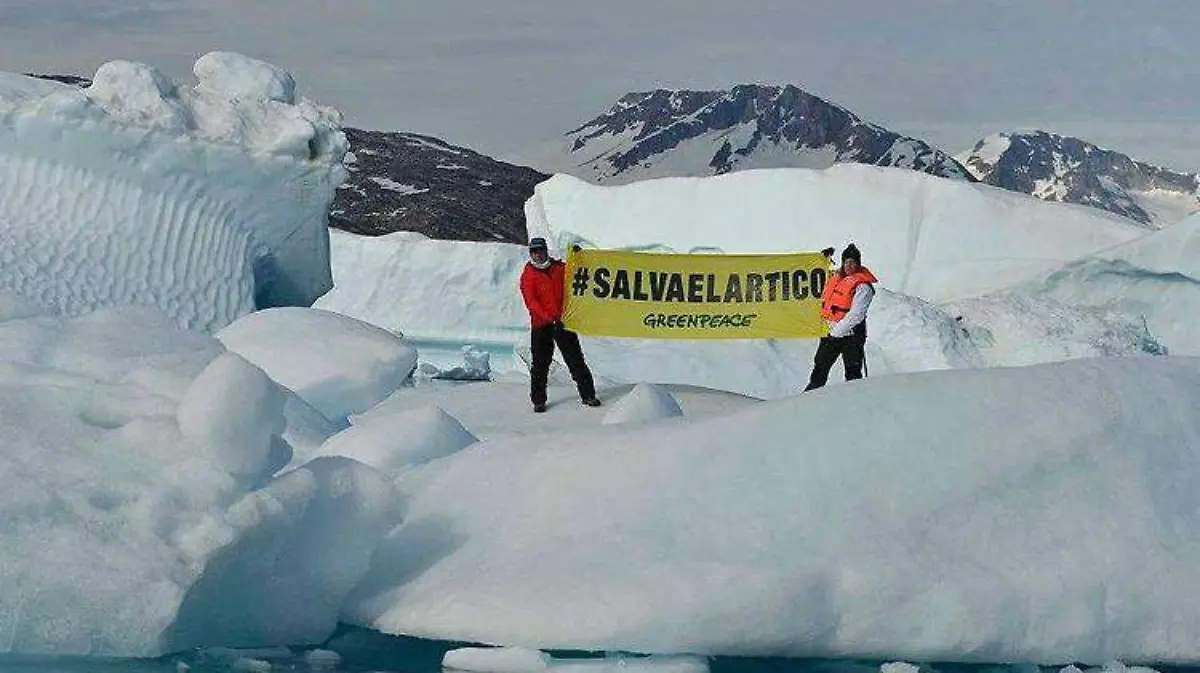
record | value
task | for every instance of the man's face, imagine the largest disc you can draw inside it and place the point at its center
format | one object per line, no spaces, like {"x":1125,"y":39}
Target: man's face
{"x":849,"y":265}
{"x":538,"y":255}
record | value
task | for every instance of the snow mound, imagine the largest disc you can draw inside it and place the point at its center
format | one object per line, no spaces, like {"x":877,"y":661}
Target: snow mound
{"x":237,"y":77}
{"x":1043,"y":514}
{"x":299,"y":545}
{"x":127,"y":525}
{"x":231,"y":405}
{"x":646,"y":402}
{"x":397,"y":440}
{"x":502,"y":408}
{"x":337,"y":364}
{"x":198,"y":202}
{"x":922,"y":235}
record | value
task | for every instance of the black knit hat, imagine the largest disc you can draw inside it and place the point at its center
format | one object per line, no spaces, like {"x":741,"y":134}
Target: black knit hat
{"x":851,"y":252}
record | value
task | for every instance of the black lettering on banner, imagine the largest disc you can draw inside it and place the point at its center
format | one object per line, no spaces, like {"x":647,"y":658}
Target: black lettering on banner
{"x":699,"y":320}
{"x":800,"y":284}
{"x":600,"y":286}
{"x":639,"y":294}
{"x":733,"y":288}
{"x":675,"y":288}
{"x":621,"y":285}
{"x":787,"y":285}
{"x":754,"y":283}
{"x":711,"y":289}
{"x":695,"y":288}
{"x":772,"y":285}
{"x":658,"y":285}
{"x":817,"y":278}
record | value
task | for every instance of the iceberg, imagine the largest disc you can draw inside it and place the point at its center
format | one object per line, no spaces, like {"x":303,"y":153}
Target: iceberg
{"x":204,"y":202}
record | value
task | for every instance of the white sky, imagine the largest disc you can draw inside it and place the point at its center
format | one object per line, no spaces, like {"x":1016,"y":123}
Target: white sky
{"x":502,"y":76}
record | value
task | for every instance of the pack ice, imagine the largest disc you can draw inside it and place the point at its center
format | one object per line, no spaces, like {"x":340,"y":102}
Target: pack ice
{"x":205,"y":202}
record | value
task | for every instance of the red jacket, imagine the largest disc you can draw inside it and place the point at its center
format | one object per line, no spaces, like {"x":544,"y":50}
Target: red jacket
{"x":543,"y":290}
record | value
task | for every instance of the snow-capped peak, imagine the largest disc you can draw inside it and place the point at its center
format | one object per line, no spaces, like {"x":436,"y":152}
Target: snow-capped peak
{"x":695,"y":133}
{"x":1066,"y":169}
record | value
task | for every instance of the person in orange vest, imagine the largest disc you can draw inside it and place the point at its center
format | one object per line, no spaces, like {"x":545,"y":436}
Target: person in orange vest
{"x":844,"y":303}
{"x":543,"y":288}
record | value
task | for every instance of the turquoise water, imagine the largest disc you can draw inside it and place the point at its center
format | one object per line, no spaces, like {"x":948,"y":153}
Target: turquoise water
{"x":360,"y":651}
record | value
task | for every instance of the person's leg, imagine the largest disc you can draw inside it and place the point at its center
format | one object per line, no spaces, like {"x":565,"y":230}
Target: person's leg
{"x":572,"y":352}
{"x":541,"y":346}
{"x":827,"y":353}
{"x":853,"y":355}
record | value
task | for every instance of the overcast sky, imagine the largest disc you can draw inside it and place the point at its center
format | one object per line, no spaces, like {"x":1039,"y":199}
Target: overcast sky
{"x":502,"y":76}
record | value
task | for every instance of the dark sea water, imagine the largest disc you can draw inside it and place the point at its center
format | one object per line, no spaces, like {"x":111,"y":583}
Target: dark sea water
{"x":359,"y":651}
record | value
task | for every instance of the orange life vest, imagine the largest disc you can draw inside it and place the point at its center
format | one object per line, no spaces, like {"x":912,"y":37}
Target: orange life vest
{"x":839,"y":292}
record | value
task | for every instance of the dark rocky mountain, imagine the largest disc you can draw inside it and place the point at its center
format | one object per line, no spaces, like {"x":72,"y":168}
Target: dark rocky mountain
{"x":411,"y":182}
{"x":696,"y":133}
{"x":1061,"y":168}
{"x":65,"y":79}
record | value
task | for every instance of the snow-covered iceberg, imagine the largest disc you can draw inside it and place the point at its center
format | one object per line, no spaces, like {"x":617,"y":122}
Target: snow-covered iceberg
{"x":204,"y":202}
{"x":1034,"y":514}
{"x":1154,"y":279}
{"x":140,"y":511}
{"x":924,"y":236}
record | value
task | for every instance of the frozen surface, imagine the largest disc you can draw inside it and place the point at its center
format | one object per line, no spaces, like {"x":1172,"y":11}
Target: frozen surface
{"x":1042,"y":514}
{"x":402,"y":439}
{"x":203,"y":202}
{"x":502,"y":409}
{"x":131,"y":523}
{"x":337,"y":364}
{"x":1153,"y":282}
{"x":646,"y":402}
{"x":922,"y":235}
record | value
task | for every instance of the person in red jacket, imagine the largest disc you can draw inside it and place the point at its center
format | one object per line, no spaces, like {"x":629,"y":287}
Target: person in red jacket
{"x":543,"y":288}
{"x":844,"y":304}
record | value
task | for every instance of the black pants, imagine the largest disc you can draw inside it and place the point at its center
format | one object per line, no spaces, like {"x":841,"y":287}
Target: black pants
{"x":852,"y":350}
{"x":542,"y":341}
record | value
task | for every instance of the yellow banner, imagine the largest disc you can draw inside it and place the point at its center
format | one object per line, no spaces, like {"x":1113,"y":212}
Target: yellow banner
{"x":684,"y":296}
